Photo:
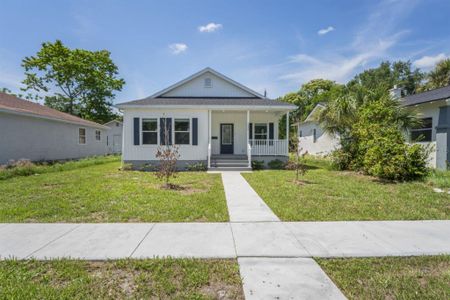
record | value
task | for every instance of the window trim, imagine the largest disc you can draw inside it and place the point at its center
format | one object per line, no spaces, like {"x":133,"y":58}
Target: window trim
{"x":421,"y":130}
{"x":142,"y":131}
{"x":85,"y":136}
{"x":267,"y":131}
{"x":210,"y":83}
{"x":99,"y":135}
{"x":174,"y":131}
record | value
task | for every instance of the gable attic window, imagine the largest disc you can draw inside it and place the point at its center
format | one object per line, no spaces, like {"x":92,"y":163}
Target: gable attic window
{"x":208,"y":82}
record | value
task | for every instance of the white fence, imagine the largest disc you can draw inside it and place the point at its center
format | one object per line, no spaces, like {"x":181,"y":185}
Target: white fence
{"x":269,"y":147}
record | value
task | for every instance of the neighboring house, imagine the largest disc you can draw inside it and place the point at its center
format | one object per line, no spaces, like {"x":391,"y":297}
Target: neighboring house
{"x":212,"y":118}
{"x":434,"y":109}
{"x":32,"y":131}
{"x":114,"y":136}
{"x":312,"y":138}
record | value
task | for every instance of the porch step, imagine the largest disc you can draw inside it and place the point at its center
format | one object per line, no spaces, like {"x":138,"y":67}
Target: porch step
{"x":236,"y":169}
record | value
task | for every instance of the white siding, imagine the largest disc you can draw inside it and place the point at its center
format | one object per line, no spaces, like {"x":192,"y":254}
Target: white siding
{"x":196,"y":88}
{"x":239,"y":120}
{"x":324,"y":144}
{"x":24,"y":137}
{"x":147,"y":152}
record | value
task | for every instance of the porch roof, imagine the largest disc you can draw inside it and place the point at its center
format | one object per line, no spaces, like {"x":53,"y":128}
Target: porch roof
{"x":209,"y":102}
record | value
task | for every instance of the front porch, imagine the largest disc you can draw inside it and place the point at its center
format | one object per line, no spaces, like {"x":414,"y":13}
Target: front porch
{"x":238,"y":137}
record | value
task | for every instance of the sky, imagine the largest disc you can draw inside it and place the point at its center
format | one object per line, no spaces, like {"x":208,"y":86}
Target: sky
{"x":266,"y":45}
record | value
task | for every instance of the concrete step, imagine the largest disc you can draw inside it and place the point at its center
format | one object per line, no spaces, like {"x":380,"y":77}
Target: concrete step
{"x":226,"y":162}
{"x":237,"y":169}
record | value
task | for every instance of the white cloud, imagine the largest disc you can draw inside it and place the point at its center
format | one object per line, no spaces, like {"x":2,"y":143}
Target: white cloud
{"x":429,"y":61}
{"x":325,"y":30}
{"x":210,"y":27}
{"x":178,"y":48}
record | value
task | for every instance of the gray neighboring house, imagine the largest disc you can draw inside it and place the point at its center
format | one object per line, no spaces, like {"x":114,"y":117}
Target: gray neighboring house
{"x":434,"y":109}
{"x":32,"y":131}
{"x":114,"y":136}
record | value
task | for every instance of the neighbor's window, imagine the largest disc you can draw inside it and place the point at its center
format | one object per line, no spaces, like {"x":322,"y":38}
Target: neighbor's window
{"x":260,"y":131}
{"x":208,"y":82}
{"x":301,"y":133}
{"x":98,"y":135}
{"x":423,"y":132}
{"x":81,"y":135}
{"x":314,"y":135}
{"x":149,"y":131}
{"x":182,"y":131}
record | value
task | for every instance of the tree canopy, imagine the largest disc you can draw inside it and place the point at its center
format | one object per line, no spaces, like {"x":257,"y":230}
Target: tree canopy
{"x":439,"y":76}
{"x":76,"y":81}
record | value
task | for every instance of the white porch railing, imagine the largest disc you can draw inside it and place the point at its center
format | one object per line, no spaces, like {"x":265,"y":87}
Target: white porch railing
{"x":269,"y":147}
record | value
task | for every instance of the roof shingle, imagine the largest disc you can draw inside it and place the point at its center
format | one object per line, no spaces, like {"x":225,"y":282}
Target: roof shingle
{"x":433,"y":95}
{"x":16,"y":105}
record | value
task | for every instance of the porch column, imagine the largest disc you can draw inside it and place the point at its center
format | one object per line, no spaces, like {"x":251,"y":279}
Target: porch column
{"x":249,"y":153}
{"x":287,"y":133}
{"x":209,"y":139}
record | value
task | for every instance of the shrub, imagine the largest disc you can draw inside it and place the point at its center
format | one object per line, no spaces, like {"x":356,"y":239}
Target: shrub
{"x":341,"y":159}
{"x":276,"y":164}
{"x":257,"y":164}
{"x":196,"y":167}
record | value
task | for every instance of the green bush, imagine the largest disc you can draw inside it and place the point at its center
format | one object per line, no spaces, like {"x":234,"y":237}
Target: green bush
{"x":276,"y":164}
{"x":196,"y":167}
{"x":257,"y":164}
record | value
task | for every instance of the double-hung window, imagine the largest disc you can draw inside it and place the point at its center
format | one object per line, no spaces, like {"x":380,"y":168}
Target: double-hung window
{"x":82,"y":136}
{"x":182,"y":131}
{"x":98,"y":135}
{"x":423,"y":132}
{"x":149,"y":131}
{"x":261,"y":131}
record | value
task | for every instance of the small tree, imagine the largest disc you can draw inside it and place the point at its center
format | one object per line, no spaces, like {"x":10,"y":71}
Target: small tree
{"x":168,"y":155}
{"x":297,"y":165}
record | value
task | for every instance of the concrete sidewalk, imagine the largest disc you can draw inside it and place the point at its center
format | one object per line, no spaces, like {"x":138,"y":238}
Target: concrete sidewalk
{"x":225,"y":240}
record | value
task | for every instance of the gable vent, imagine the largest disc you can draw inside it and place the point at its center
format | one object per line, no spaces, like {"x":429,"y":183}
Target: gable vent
{"x":208,"y":82}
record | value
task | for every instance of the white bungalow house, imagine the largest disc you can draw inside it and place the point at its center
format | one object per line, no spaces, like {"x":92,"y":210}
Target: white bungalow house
{"x":312,"y":138}
{"x":212,"y":118}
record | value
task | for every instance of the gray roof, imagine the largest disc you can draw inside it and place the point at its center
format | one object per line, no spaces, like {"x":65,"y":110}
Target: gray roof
{"x":208,"y":101}
{"x":433,"y":95}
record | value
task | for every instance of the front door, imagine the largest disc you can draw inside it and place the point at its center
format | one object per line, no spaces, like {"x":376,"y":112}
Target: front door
{"x":226,"y":139}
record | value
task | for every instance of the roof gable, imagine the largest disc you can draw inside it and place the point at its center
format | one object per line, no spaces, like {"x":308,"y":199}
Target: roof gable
{"x":194,"y":86}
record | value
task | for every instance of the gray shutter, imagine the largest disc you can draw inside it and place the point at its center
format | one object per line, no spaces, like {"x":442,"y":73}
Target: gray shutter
{"x":194,"y":131}
{"x":162,"y":131}
{"x":169,"y":129}
{"x":250,"y":131}
{"x":270,"y":131}
{"x":136,"y":131}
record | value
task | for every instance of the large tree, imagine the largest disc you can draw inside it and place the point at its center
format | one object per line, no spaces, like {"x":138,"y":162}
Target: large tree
{"x":387,"y":75}
{"x":439,"y":76}
{"x":76,"y":81}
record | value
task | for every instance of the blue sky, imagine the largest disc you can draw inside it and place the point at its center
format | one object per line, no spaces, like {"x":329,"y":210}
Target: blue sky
{"x":272,"y":45}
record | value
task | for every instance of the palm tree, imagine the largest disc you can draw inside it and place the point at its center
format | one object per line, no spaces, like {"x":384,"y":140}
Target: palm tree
{"x":439,"y":76}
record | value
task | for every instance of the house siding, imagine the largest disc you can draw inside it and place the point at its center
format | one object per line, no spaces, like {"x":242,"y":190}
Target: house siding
{"x":324,"y":143}
{"x":36,"y":139}
{"x":114,"y":131}
{"x":141,"y":152}
{"x":196,"y":88}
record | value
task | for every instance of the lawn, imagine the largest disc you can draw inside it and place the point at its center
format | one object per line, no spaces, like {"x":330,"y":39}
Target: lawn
{"x":391,"y":277}
{"x":327,"y":195}
{"x":103,"y":193}
{"x":120,"y":279}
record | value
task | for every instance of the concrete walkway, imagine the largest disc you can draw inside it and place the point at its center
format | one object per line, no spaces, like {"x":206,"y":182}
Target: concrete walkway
{"x":244,"y":204}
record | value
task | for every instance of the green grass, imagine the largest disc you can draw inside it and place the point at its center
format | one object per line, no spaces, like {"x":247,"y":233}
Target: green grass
{"x":27,"y":168}
{"x":121,"y":279}
{"x":391,"y":277}
{"x":327,"y":195}
{"x":102,"y":193}
{"x":440,"y":179}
